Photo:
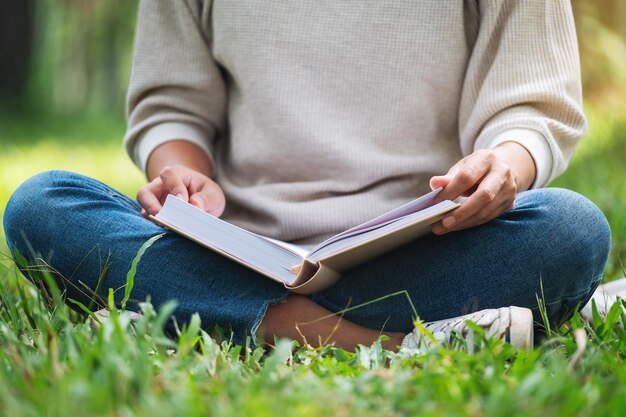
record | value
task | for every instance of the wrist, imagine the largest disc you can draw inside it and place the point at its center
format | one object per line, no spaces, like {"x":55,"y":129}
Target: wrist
{"x":520,"y":161}
{"x":178,"y":152}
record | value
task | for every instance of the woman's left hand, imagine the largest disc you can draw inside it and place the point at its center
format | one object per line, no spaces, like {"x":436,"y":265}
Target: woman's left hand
{"x":490,"y":179}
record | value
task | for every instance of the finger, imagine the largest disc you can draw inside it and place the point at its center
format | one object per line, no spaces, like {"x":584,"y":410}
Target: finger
{"x":174,"y":182}
{"x":439,"y":229}
{"x":443,"y":180}
{"x":468,"y":175}
{"x":495,"y":193}
{"x":440,"y":181}
{"x":209,"y":198}
{"x":484,"y":216}
{"x":198,"y":182}
{"x":149,"y":196}
{"x":487,"y":194}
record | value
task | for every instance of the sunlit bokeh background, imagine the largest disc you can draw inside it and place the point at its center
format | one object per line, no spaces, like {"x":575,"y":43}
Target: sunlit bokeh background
{"x":64,"y":68}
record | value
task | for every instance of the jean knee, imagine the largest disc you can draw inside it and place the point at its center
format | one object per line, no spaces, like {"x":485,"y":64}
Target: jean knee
{"x":575,"y":237}
{"x":28,"y":202}
{"x":587,"y":226}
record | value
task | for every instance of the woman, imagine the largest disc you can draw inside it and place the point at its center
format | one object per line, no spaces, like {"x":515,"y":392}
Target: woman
{"x":299,"y":120}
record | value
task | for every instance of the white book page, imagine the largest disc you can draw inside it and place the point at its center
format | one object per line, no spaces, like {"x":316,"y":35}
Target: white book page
{"x":375,"y":232}
{"x":416,"y":205}
{"x":265,"y":255}
{"x":302,"y":252}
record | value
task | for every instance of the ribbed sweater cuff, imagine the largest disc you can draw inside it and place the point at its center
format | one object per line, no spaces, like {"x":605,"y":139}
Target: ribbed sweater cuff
{"x":538,"y":147}
{"x":150,"y":139}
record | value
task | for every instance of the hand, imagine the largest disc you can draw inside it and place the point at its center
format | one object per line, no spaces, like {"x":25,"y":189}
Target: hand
{"x":185,"y":183}
{"x":490,"y":178}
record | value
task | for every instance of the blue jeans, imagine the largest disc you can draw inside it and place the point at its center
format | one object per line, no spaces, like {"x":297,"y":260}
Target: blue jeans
{"x":555,"y":242}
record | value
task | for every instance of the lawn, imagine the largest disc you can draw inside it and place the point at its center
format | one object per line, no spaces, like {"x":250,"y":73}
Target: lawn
{"x":54,"y":362}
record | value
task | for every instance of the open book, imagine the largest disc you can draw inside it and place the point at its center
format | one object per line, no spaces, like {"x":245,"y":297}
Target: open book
{"x":302,"y":271}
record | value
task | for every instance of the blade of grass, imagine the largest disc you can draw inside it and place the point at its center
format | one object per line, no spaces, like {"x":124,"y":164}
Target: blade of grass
{"x":543,"y":311}
{"x":130,"y":277}
{"x":103,"y":274}
{"x":84,"y":308}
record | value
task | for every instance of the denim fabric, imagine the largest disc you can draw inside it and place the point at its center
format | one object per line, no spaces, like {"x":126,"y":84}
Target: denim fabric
{"x":555,"y":242}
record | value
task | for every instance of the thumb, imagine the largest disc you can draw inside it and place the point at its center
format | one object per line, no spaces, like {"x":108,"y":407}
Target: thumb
{"x":440,"y":181}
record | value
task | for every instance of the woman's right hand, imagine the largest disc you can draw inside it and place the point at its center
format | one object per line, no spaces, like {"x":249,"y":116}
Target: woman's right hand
{"x":180,"y":168}
{"x":186,"y":184}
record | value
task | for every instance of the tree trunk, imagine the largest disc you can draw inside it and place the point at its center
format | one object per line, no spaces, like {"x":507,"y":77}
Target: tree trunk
{"x":16,"y":30}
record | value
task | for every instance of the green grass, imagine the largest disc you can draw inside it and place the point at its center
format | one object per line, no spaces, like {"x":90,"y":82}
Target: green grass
{"x":88,"y":145}
{"x":53,"y":362}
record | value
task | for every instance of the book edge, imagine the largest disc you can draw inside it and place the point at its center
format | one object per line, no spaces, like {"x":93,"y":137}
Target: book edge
{"x":203,"y":243}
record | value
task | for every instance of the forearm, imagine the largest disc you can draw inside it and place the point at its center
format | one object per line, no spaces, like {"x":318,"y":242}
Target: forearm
{"x":178,"y":152}
{"x":532,"y":85}
{"x":520,"y":161}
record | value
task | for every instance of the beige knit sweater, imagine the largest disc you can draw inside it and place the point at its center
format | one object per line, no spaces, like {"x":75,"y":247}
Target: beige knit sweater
{"x":320,"y":114}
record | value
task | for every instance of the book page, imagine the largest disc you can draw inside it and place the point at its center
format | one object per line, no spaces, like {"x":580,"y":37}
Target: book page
{"x":302,"y":252}
{"x":416,"y":205}
{"x":255,"y":251}
{"x":376,"y":231}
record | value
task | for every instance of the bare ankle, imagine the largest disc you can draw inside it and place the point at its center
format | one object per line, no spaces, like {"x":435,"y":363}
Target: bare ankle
{"x":299,"y":318}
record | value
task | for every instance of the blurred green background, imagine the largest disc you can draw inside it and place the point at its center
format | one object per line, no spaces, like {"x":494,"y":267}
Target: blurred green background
{"x":64,"y":67}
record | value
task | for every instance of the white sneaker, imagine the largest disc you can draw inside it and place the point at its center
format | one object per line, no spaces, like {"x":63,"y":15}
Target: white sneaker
{"x":512,"y":324}
{"x":105,"y":315}
{"x":605,"y":296}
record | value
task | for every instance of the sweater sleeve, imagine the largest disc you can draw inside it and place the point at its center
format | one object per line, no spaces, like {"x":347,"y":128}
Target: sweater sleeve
{"x":176,"y":90}
{"x":523,"y":83}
